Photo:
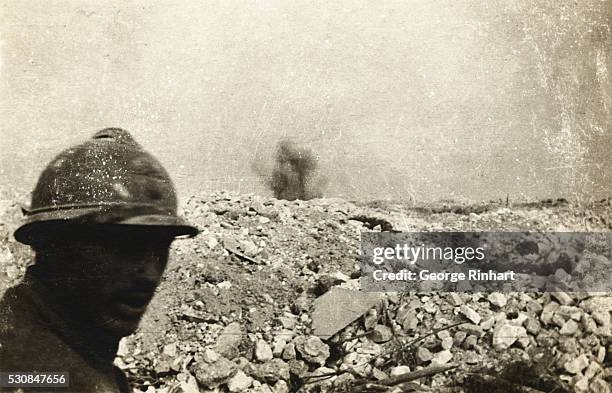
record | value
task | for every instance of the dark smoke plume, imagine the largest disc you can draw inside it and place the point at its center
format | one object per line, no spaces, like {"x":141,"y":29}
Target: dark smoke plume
{"x":294,"y":174}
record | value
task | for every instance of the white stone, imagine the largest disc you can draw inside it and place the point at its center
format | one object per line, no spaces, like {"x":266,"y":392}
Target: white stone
{"x":423,"y":354}
{"x":497,"y":299}
{"x":122,"y":350}
{"x":447,"y":343}
{"x":582,"y":385}
{"x":562,"y":297}
{"x":470,"y":314}
{"x":279,"y":346}
{"x":210,"y":356}
{"x":239,"y":382}
{"x":442,"y":357}
{"x":569,"y":328}
{"x":263,"y":352}
{"x":455,"y":299}
{"x":576,"y":365}
{"x":399,"y":370}
{"x":506,"y":334}
{"x":281,"y":387}
{"x":488,"y":323}
{"x":170,"y":350}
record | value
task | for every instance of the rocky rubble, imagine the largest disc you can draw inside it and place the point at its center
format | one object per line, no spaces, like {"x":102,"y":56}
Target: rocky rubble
{"x":240,"y":306}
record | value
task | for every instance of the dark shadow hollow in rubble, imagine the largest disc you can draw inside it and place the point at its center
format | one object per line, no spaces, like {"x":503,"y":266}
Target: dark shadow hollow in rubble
{"x":517,"y":377}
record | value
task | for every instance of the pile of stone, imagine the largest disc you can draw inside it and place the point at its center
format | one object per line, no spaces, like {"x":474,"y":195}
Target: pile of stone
{"x":267,"y":299}
{"x":575,"y":330}
{"x":270,"y":314}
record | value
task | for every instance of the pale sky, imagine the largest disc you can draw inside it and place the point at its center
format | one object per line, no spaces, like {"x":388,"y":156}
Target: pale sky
{"x":430,"y":99}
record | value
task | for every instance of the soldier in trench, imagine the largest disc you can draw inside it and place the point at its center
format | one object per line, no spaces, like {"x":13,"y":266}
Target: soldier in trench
{"x":102,"y":218}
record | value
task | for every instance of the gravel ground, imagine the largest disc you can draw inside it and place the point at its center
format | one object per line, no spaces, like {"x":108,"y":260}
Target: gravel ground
{"x":237,"y":308}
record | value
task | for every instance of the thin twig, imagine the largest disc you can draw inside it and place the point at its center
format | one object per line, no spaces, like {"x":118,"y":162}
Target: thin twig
{"x":420,"y":338}
{"x":242,"y":256}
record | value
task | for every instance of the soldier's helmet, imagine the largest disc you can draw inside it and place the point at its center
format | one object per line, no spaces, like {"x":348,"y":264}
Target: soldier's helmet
{"x":108,"y":179}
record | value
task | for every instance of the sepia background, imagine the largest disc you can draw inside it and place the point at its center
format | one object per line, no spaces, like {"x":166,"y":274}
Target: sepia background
{"x":396,"y":107}
{"x":403,"y":100}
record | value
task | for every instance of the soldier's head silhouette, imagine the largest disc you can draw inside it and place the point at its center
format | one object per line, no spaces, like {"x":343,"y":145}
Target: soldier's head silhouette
{"x":102,"y":217}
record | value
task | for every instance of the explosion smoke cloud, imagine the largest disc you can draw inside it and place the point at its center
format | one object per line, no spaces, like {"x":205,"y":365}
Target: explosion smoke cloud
{"x":295,"y":173}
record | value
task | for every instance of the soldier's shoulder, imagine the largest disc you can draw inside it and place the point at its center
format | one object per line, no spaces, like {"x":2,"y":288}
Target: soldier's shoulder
{"x":15,"y":320}
{"x":25,"y":343}
{"x":25,"y":346}
{"x":28,"y":344}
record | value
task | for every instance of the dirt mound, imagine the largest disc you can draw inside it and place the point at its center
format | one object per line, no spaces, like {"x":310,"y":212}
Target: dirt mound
{"x":235,"y":310}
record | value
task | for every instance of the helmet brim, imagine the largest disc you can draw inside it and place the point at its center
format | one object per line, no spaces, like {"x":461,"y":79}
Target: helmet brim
{"x":29,"y":232}
{"x":176,"y":225}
